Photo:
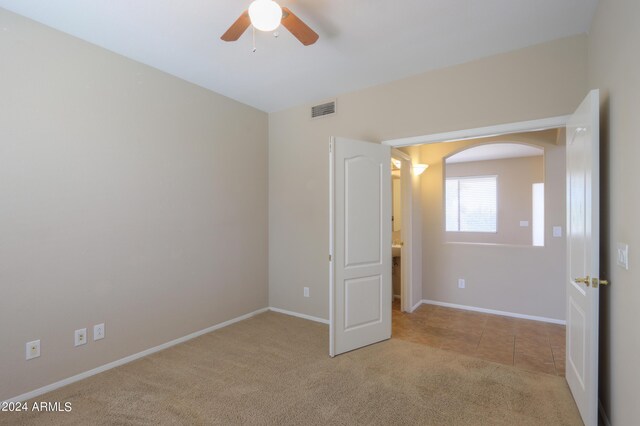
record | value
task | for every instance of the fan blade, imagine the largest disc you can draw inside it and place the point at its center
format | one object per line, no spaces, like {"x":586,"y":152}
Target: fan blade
{"x":299,"y":29}
{"x":240,"y":26}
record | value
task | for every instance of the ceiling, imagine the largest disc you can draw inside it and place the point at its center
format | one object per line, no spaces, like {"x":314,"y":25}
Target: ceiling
{"x":362,"y":42}
{"x":496,"y":151}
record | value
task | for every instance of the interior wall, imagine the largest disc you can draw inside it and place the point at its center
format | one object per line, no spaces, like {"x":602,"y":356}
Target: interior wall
{"x":513,"y":278}
{"x":129,"y":197}
{"x":416,"y":228}
{"x":515,"y":177}
{"x":614,"y":68}
{"x":537,"y":82}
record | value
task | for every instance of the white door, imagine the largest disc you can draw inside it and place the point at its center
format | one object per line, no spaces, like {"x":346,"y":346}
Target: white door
{"x":360,"y":244}
{"x":583,"y":265}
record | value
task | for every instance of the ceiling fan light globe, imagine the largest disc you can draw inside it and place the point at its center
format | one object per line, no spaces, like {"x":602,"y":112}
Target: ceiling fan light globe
{"x":265,"y":15}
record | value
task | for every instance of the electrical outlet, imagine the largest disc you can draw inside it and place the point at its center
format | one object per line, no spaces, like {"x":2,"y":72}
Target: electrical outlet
{"x":306,"y":292}
{"x":98,"y":331}
{"x":81,"y":337}
{"x":524,"y":223}
{"x":462,"y":283}
{"x":33,"y":349}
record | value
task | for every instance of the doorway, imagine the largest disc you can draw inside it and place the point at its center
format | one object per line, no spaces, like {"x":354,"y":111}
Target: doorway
{"x":402,"y":248}
{"x":491,"y":257}
{"x":582,"y":279}
{"x":479,"y":243}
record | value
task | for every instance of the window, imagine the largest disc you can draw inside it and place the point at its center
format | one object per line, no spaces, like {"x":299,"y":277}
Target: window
{"x":471,"y":204}
{"x":537,"y":215}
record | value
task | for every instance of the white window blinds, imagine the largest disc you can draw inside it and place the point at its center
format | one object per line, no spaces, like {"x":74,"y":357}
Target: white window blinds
{"x":471,"y":204}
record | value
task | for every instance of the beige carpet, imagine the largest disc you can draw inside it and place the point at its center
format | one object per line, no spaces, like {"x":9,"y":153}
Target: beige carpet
{"x":274,"y":369}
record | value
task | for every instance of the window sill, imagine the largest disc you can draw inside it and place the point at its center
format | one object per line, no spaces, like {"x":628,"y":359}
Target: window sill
{"x":459,"y":243}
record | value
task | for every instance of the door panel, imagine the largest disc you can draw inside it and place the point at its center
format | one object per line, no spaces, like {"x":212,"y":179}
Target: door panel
{"x":360,"y":266}
{"x":583,"y":256}
{"x":363,"y":298}
{"x":363,"y":202}
{"x":577,"y":341}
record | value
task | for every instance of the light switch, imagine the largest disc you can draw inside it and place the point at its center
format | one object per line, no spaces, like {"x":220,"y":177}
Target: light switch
{"x":557,"y":231}
{"x":623,"y":255}
{"x":524,"y":223}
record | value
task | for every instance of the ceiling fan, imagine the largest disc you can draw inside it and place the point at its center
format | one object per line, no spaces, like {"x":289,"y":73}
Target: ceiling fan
{"x":267,"y":15}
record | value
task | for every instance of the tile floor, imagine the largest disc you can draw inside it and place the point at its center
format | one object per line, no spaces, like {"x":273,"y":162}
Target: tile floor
{"x":530,"y":345}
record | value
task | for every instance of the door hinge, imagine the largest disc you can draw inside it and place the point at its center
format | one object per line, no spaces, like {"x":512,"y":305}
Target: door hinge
{"x":329,"y":258}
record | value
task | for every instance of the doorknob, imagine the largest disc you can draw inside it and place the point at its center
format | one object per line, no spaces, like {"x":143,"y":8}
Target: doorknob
{"x":586,"y":280}
{"x":596,"y":281}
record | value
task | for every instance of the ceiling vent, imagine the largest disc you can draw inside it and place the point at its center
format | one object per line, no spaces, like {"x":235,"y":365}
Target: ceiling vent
{"x":323,"y":110}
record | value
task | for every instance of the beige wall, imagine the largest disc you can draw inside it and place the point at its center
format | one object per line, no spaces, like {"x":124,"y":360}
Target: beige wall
{"x":124,"y":203}
{"x":128,"y":197}
{"x":614,"y":68}
{"x":537,"y":82}
{"x":515,"y":177}
{"x":514,"y":278}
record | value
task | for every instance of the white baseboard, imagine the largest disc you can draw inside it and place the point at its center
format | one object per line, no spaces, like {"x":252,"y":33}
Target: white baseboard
{"x":603,"y":414}
{"x":40,"y":391}
{"x":125,"y":360}
{"x":493,"y":311}
{"x":299,"y":315}
{"x":417,"y":305}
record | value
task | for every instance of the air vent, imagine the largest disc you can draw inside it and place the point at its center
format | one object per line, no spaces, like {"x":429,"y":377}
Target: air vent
{"x":322,"y":110}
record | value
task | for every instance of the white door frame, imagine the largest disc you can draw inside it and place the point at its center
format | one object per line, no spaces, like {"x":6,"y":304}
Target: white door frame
{"x":406,"y":192}
{"x":481,"y":132}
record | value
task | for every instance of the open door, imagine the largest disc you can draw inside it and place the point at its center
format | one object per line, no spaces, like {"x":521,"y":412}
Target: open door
{"x":583,"y":266}
{"x":360,"y":244}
